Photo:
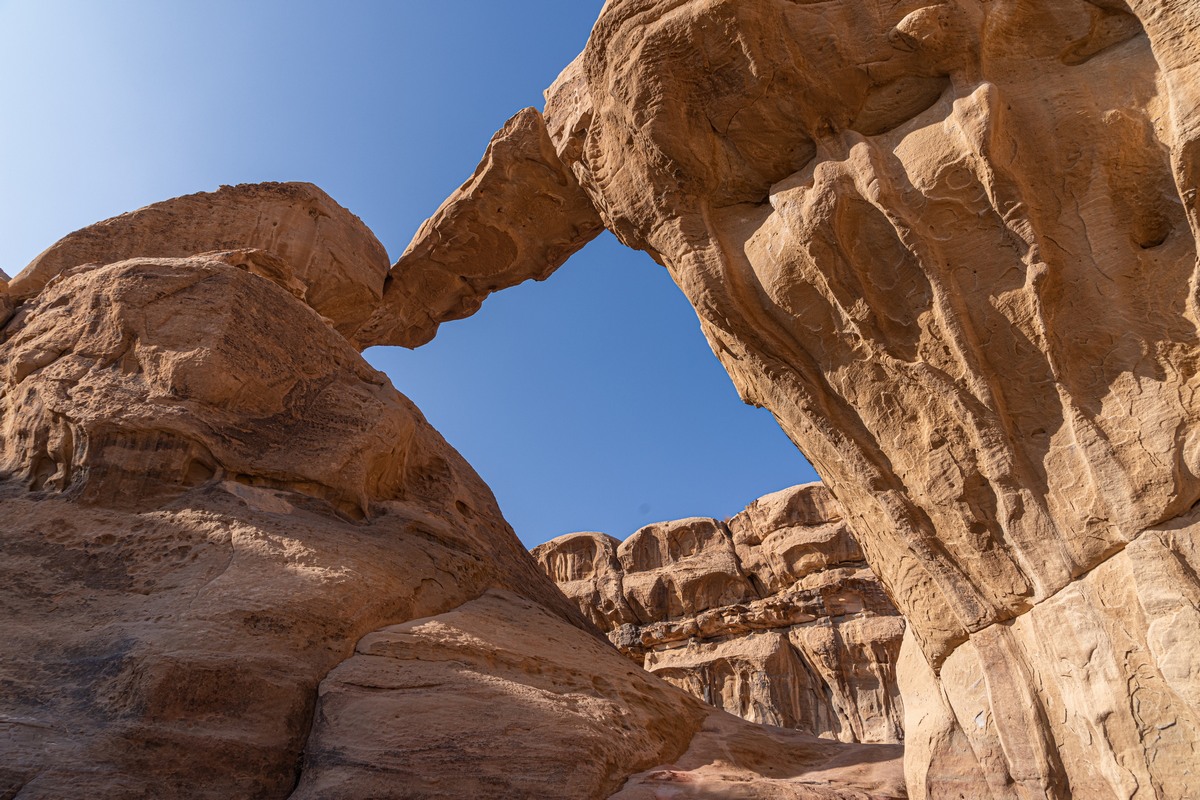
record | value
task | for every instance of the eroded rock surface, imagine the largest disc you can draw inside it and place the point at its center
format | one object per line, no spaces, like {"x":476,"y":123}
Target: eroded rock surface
{"x":952,"y":247}
{"x":236,"y":562}
{"x":309,"y":244}
{"x":7,"y":304}
{"x":483,"y":237}
{"x":499,"y":698}
{"x":203,"y":510}
{"x":772,"y":615}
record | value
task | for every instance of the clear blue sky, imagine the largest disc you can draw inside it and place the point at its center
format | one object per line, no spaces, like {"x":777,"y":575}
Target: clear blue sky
{"x":588,"y":402}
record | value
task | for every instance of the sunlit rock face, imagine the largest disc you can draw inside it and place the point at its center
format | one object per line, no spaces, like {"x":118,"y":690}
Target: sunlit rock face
{"x":236,"y":562}
{"x":207,"y":498}
{"x":292,"y":233}
{"x":951,"y":246}
{"x":772,"y":615}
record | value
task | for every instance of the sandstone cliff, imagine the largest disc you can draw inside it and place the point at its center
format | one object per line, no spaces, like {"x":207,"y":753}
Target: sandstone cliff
{"x":772,"y":615}
{"x":952,"y":247}
{"x":236,"y":562}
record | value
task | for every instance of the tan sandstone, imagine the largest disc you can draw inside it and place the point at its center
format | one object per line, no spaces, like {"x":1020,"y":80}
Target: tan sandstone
{"x":538,"y":709}
{"x":952,"y":247}
{"x":772,"y":616}
{"x":310,"y":244}
{"x":203,"y":512}
{"x":520,"y":216}
{"x":238,"y":563}
{"x":7,"y":304}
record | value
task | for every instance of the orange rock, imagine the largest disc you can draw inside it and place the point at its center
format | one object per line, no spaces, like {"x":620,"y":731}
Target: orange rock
{"x":520,"y":216}
{"x":208,"y":498}
{"x":238,"y":563}
{"x":498,"y":698}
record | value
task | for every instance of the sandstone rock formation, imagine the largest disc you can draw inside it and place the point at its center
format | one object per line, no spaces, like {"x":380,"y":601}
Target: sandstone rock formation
{"x":208,"y":498}
{"x":7,"y":304}
{"x":520,"y":216}
{"x":952,"y":247}
{"x":772,"y":615}
{"x":236,"y":562}
{"x":310,"y":245}
{"x":538,"y":709}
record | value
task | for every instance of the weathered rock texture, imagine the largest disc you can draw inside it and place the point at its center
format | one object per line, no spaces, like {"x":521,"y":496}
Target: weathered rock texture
{"x":520,"y":216}
{"x":208,"y":498}
{"x":535,"y":708}
{"x":235,"y":562}
{"x":952,"y":247}
{"x":312,"y":246}
{"x":772,"y":615}
{"x":7,"y":304}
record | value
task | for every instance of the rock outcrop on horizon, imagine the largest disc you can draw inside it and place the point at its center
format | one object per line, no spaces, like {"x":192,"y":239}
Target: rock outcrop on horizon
{"x":952,"y":246}
{"x":236,"y":562}
{"x":772,"y":615}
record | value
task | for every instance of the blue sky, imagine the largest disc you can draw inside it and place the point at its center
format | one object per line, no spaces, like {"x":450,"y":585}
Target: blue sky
{"x":588,"y":402}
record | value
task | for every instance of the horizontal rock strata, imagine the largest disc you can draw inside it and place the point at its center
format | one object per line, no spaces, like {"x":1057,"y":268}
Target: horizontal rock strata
{"x":772,"y":615}
{"x":951,"y":246}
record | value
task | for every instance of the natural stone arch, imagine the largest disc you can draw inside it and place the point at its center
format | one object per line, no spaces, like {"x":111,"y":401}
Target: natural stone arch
{"x":999,"y":387}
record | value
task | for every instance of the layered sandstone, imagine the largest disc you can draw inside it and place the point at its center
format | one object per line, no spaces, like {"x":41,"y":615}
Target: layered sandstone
{"x":533,"y":708}
{"x":238,"y":563}
{"x":772,"y":615}
{"x":208,"y":498}
{"x":952,"y":247}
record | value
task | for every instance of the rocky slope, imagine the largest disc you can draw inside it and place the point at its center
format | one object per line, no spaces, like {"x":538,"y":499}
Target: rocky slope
{"x":952,"y":247}
{"x":772,"y":615}
{"x":236,"y":562}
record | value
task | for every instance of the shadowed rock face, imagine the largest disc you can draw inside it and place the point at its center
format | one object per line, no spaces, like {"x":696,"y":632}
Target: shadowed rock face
{"x":208,"y":497}
{"x":236,"y":562}
{"x":772,"y":615}
{"x":499,"y":698}
{"x":951,"y":246}
{"x":7,"y":304}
